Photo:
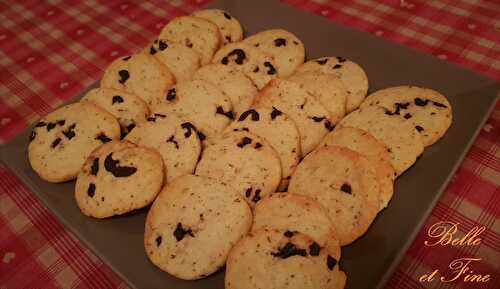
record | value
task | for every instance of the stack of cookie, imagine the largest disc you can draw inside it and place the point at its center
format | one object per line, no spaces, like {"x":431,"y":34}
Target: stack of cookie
{"x":250,"y":157}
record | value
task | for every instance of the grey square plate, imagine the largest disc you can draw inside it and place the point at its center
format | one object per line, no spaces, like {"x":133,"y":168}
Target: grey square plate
{"x":368,"y":262}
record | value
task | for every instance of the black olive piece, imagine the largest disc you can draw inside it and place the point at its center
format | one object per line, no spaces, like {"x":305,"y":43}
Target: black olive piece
{"x":341,"y":59}
{"x":158,"y":241}
{"x":258,"y":145}
{"x":318,"y":118}
{"x":256,"y":196}
{"x":419,"y":128}
{"x":228,"y":17}
{"x":248,"y":192}
{"x":288,"y":234}
{"x":189,"y":127}
{"x":50,"y":126}
{"x":322,"y":61}
{"x":289,"y":250}
{"x":420,"y":102}
{"x":40,"y":124}
{"x":172,"y":140}
{"x":337,"y":66}
{"x":152,"y":50}
{"x":126,"y":58}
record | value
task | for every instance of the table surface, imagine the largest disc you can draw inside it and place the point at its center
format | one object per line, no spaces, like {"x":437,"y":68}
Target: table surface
{"x":51,"y":50}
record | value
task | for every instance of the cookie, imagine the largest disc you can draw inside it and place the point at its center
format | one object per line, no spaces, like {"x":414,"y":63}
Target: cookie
{"x":427,"y":109}
{"x":274,"y":259}
{"x":294,"y":213}
{"x":402,"y":140}
{"x":62,"y":140}
{"x":118,"y":177}
{"x":140,"y":74}
{"x":374,"y":150}
{"x":278,"y":130}
{"x":198,"y":34}
{"x":328,"y":89}
{"x":244,"y":161}
{"x":200,"y":103}
{"x":286,"y":48}
{"x":180,"y":60}
{"x":345,"y":183}
{"x":351,"y":74}
{"x":129,"y":109}
{"x":311,"y":118}
{"x":259,"y":66}
{"x":234,"y":83}
{"x":193,"y":224}
{"x":176,"y":140}
{"x":229,"y":27}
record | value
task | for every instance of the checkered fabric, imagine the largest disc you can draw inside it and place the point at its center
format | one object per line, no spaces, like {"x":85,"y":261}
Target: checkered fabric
{"x":51,"y":50}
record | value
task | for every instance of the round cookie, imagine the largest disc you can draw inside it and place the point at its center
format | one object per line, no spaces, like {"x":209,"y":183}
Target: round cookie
{"x":234,"y":83}
{"x":278,"y":130}
{"x":311,"y":118}
{"x":274,"y":259}
{"x":229,"y":27}
{"x":328,"y":89}
{"x":374,"y":150}
{"x":180,"y":60}
{"x":201,"y":103}
{"x":402,"y":140}
{"x":193,"y":224}
{"x":199,"y":34}
{"x":259,"y":66}
{"x":286,"y":48}
{"x":351,"y":74}
{"x":345,"y":183}
{"x":427,"y":109}
{"x":244,"y":161}
{"x":118,"y":177}
{"x":129,"y":109}
{"x":62,"y":140}
{"x":140,"y":74}
{"x":177,"y":142}
{"x":294,"y":213}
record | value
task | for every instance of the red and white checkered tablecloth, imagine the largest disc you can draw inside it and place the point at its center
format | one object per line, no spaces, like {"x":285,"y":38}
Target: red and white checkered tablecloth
{"x":51,"y":50}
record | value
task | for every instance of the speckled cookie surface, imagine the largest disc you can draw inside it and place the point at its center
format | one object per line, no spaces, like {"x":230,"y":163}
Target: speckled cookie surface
{"x":229,"y":27}
{"x":180,"y":60}
{"x":311,"y":118}
{"x":345,"y":183}
{"x":118,"y":177}
{"x":259,"y":66}
{"x":129,"y":109}
{"x":351,"y":74}
{"x":61,"y":141}
{"x":201,"y":103}
{"x":199,"y":34}
{"x":286,"y":48}
{"x":244,"y":161}
{"x":193,"y":224}
{"x":234,"y":83}
{"x":399,"y":135}
{"x":427,"y":109}
{"x":294,"y":213}
{"x":140,"y":74}
{"x":277,"y":260}
{"x":176,"y":140}
{"x":278,"y":130}
{"x":328,"y":89}
{"x":374,"y":150}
